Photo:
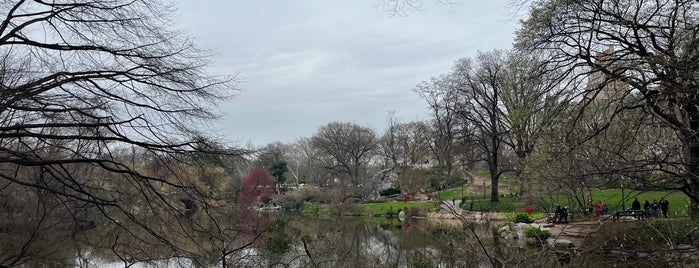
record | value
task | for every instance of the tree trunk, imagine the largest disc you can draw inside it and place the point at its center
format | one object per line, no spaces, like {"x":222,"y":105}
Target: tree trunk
{"x":494,"y":196}
{"x":692,"y":165}
{"x":493,"y":166}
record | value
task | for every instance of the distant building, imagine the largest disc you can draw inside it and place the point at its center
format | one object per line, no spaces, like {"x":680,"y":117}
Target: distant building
{"x":607,"y":88}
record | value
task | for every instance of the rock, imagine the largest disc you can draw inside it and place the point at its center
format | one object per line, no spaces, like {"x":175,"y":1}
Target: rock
{"x":503,"y":231}
{"x":560,"y":243}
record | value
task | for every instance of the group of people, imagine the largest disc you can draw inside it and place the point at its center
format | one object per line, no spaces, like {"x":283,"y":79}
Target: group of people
{"x":560,"y":215}
{"x":599,"y":208}
{"x":651,"y":209}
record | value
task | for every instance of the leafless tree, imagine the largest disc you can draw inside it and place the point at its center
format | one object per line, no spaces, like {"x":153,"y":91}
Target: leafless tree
{"x":442,"y":99}
{"x":650,"y":46}
{"x":481,"y":84}
{"x":351,"y":146}
{"x":533,"y":99}
{"x":407,"y":144}
{"x":305,"y":162}
{"x":81,"y":79}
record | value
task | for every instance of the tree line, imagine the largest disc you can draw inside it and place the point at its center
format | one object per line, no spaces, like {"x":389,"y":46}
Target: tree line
{"x":104,"y":105}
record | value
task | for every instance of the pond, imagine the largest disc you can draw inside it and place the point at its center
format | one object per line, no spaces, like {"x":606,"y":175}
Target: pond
{"x":298,"y":241}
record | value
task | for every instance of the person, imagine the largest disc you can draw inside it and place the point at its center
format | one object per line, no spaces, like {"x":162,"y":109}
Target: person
{"x":636,"y":205}
{"x":557,"y":214}
{"x":664,"y":204}
{"x":603,"y":207}
{"x":564,"y":215}
{"x":654,"y":208}
{"x":590,"y":207}
{"x":646,"y":209}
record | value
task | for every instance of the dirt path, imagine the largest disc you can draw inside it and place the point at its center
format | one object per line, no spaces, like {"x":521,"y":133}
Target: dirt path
{"x":577,"y":231}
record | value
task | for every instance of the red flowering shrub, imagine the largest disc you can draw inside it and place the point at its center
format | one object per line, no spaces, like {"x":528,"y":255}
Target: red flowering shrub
{"x":257,"y":187}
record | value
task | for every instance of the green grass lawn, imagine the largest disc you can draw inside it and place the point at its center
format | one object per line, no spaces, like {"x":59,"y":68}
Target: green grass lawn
{"x":506,"y":204}
{"x":679,"y":202}
{"x":453,"y":193}
{"x":391,"y":206}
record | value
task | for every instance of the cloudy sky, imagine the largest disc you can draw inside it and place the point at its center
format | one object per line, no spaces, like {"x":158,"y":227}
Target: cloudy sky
{"x":306,"y":63}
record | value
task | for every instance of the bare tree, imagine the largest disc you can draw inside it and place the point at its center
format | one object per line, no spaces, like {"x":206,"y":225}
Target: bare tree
{"x":390,"y":144}
{"x":410,"y":144}
{"x":305,"y":162}
{"x":481,"y":82}
{"x":533,"y":99}
{"x":351,"y":146}
{"x":651,"y":46}
{"x":442,"y":99}
{"x":81,"y":79}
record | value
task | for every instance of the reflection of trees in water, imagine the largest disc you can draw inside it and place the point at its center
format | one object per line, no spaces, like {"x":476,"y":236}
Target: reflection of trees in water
{"x":356,"y":243}
{"x":251,"y":239}
{"x":51,"y":237}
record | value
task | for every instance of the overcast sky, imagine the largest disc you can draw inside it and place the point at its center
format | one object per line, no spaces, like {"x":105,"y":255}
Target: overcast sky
{"x":304,"y":63}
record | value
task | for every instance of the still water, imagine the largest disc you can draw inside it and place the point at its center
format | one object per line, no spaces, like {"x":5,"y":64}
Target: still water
{"x":298,"y":241}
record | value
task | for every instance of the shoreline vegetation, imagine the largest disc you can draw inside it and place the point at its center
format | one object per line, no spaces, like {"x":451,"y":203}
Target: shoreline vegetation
{"x":508,"y":206}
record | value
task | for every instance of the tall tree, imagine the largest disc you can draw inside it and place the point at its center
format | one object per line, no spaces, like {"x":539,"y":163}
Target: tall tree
{"x":277,"y":169}
{"x":351,"y":146}
{"x":79,"y":79}
{"x":405,"y":144}
{"x":533,"y":100}
{"x":651,"y":46}
{"x":442,"y":99}
{"x":481,"y":82}
{"x":305,"y":162}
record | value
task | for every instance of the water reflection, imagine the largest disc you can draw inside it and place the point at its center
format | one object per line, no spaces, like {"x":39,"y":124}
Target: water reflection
{"x":369,"y":242}
{"x":270,"y":240}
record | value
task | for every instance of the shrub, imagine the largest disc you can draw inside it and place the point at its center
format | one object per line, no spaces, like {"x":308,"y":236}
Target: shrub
{"x":310,"y":208}
{"x":279,"y":241}
{"x":421,"y":261}
{"x":537,"y":234}
{"x":346,"y":206}
{"x":517,"y":217}
{"x":522,"y":217}
{"x":292,"y":205}
{"x":390,"y":192}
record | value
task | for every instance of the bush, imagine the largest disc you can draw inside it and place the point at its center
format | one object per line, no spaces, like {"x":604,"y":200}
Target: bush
{"x":279,"y":241}
{"x":346,"y":206}
{"x":537,"y":234}
{"x":390,"y":192}
{"x":517,"y":217}
{"x":421,"y":261}
{"x":292,"y":205}
{"x":522,"y":217}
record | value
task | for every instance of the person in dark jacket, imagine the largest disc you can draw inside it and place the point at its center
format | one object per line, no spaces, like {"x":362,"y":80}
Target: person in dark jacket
{"x":654,"y":208}
{"x":664,"y":205}
{"x":646,"y":209}
{"x":636,"y":205}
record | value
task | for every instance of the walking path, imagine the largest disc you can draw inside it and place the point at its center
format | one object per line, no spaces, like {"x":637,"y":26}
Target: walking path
{"x":577,"y":231}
